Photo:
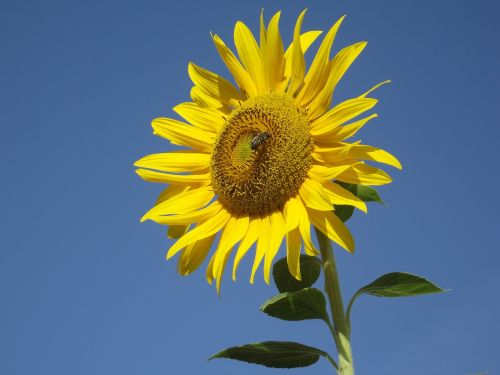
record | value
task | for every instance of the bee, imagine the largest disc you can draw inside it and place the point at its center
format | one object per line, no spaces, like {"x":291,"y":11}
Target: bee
{"x":258,"y":139}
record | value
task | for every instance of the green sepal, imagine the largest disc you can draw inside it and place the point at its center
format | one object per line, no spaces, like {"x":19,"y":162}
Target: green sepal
{"x":310,"y":269}
{"x":278,"y":354}
{"x":309,"y":303}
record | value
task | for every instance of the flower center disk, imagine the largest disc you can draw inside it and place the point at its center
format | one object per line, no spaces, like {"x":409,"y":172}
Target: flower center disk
{"x":262,"y":155}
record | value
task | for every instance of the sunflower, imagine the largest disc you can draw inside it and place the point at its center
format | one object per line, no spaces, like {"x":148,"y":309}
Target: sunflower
{"x":260,"y":158}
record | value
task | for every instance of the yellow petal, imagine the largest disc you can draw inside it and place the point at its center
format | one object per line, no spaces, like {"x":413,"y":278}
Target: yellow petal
{"x":202,"y":99}
{"x":292,"y":214}
{"x":203,"y":230}
{"x":298,"y":61}
{"x":181,"y":161}
{"x":332,"y":156}
{"x":375,"y":87}
{"x":340,"y":133}
{"x":364,"y":174}
{"x":311,"y":193}
{"x":249,"y":54}
{"x":207,"y":119}
{"x":214,"y":85}
{"x":322,"y":173}
{"x":183,"y":134}
{"x":340,"y":196}
{"x":247,"y":242}
{"x":306,"y":40}
{"x":262,"y":245}
{"x":277,"y":233}
{"x":318,"y":72}
{"x":263,"y":31}
{"x":293,"y":253}
{"x":339,"y":65}
{"x":264,"y":50}
{"x":305,"y":229}
{"x":273,"y":57}
{"x":189,"y":217}
{"x":209,"y":274}
{"x":375,"y":154}
{"x":340,"y":114}
{"x":170,"y":191}
{"x":166,"y":178}
{"x":234,"y":231}
{"x":220,"y":272}
{"x":192,"y":257}
{"x":239,"y":73}
{"x":332,"y":227}
{"x":184,"y":202}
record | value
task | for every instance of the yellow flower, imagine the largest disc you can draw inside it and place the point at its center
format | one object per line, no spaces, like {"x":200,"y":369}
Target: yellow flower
{"x":261,"y":157}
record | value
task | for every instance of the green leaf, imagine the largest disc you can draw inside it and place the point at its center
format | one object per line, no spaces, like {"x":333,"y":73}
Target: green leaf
{"x":369,"y":194}
{"x":305,"y":304}
{"x":399,"y":284}
{"x":310,"y":269}
{"x":280,"y":354}
{"x":395,"y":284}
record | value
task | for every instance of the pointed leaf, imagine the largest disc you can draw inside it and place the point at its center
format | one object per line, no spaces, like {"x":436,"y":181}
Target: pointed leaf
{"x":395,"y":284}
{"x":399,"y":284}
{"x":369,"y":194}
{"x":310,"y":268}
{"x":280,"y":354}
{"x":304,"y":304}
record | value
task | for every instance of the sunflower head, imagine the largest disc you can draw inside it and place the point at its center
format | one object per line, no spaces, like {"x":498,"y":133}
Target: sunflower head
{"x":263,"y":155}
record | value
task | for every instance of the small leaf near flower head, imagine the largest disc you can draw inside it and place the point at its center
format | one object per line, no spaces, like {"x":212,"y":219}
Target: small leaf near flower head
{"x":278,"y":354}
{"x":369,"y":194}
{"x":310,"y":268}
{"x":309,"y":303}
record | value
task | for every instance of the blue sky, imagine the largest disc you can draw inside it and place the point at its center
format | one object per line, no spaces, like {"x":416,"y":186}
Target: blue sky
{"x":85,"y":288}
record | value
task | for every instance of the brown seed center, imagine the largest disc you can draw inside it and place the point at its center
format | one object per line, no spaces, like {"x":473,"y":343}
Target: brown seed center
{"x":262,"y":155}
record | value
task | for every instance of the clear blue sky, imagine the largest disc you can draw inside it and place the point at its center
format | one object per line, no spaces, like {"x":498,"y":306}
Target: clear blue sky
{"x":85,"y":288}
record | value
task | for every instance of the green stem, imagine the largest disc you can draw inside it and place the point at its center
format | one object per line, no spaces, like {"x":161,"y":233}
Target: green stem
{"x":332,"y":289}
